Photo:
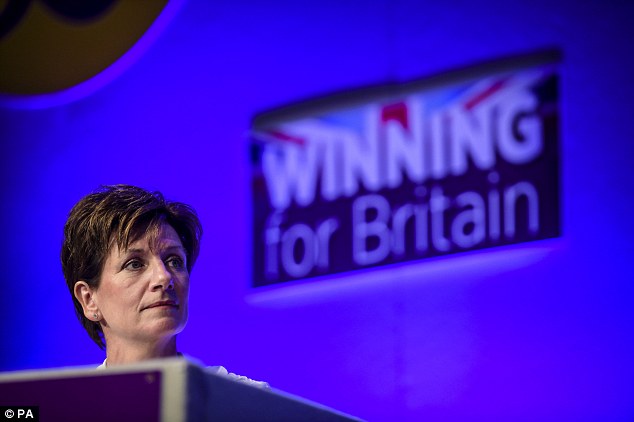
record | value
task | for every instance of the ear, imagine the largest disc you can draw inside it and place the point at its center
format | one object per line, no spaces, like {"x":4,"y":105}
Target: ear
{"x":86,"y":297}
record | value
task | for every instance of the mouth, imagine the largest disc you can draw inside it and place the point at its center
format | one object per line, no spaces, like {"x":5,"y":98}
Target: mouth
{"x":163,"y":304}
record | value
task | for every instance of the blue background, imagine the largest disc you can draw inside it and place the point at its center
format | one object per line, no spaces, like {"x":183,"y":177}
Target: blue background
{"x":540,"y":331}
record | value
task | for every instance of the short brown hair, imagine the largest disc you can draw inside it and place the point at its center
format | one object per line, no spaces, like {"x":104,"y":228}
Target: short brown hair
{"x":121,"y":214}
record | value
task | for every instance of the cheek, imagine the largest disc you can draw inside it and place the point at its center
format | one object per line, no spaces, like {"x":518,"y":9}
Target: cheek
{"x":183,"y":286}
{"x":105,"y":294}
{"x":185,"y":292}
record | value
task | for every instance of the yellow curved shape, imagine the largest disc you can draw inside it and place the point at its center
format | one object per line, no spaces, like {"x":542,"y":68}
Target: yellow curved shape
{"x":47,"y":52}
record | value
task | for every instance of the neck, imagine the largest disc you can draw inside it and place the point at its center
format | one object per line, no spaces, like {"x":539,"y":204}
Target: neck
{"x":119,"y":353}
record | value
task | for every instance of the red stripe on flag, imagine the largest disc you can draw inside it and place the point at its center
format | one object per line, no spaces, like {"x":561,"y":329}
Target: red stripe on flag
{"x":396,"y":112}
{"x":484,"y":94}
{"x":286,"y":138}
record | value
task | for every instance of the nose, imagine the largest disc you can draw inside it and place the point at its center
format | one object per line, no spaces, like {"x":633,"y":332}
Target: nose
{"x":162,"y":278}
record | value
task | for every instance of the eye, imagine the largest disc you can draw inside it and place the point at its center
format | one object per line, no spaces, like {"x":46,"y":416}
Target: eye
{"x":133,"y":264}
{"x":176,"y":262}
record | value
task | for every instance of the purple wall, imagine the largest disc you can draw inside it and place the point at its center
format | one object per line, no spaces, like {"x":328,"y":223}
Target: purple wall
{"x":540,"y":331}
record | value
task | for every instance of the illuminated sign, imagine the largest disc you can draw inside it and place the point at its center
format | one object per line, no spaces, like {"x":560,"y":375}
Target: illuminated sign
{"x":455,"y":163}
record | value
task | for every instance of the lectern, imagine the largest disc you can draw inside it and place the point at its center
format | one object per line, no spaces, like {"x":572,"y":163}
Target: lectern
{"x":166,"y":390}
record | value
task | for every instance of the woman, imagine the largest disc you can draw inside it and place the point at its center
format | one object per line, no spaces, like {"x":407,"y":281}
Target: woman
{"x":127,"y":256}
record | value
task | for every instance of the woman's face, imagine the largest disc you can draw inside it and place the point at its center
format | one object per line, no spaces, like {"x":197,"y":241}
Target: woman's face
{"x":143,"y":293}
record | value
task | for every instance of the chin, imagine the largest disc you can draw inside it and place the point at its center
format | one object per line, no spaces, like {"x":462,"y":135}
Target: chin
{"x":166,"y":328}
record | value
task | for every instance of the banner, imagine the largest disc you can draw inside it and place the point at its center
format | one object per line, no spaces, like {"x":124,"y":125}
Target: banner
{"x":462,"y":161}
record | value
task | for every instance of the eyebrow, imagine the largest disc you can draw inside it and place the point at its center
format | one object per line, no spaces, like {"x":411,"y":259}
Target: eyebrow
{"x":142,"y":250}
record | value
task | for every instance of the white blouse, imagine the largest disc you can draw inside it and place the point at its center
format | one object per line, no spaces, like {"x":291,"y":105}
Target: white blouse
{"x":220,"y":370}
